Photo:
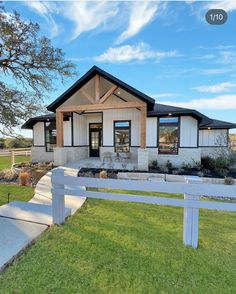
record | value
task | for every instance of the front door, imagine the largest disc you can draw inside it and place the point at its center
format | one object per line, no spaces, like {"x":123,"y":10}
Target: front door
{"x":95,"y":132}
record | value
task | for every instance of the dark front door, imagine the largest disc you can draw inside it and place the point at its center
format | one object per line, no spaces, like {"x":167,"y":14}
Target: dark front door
{"x":95,"y":131}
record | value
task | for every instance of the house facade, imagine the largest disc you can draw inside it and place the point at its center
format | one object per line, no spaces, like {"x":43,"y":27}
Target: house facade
{"x":101,"y":114}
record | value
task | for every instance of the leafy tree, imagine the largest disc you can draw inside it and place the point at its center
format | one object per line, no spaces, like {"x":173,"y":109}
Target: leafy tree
{"x":31,"y":62}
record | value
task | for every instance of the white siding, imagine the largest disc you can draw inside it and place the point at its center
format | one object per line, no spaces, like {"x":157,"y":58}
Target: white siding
{"x":213,"y":137}
{"x":188,"y":131}
{"x":151,"y":134}
{"x":109,"y":116}
{"x":67,"y":133}
{"x":39,"y":136}
{"x":80,"y":132}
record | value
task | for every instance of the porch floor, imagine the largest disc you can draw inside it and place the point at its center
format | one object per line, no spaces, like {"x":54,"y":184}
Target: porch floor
{"x":93,"y":162}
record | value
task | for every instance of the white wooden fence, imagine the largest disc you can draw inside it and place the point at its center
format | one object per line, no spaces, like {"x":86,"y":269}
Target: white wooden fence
{"x":68,"y":185}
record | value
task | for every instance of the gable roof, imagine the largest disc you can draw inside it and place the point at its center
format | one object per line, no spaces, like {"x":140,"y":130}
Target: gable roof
{"x":88,"y":76}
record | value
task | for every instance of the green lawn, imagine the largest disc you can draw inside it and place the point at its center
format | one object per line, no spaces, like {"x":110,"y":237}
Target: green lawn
{"x":21,"y":193}
{"x":5,"y":161}
{"x":118,"y":247}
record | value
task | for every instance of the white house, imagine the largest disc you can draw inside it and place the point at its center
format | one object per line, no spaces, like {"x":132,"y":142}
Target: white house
{"x":101,"y":113}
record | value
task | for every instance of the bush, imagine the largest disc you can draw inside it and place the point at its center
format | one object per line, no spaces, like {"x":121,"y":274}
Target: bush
{"x":24,"y":178}
{"x":168,"y":165}
{"x":103,"y":174}
{"x":154,"y":164}
{"x":208,"y":163}
{"x":229,"y":181}
{"x":9,"y":175}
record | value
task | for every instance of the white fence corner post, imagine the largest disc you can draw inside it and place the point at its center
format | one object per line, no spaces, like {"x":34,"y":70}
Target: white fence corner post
{"x":191,"y":216}
{"x":191,"y":220}
{"x":58,"y":197}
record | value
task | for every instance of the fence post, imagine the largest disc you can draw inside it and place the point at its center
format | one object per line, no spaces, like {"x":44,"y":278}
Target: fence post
{"x":58,"y":197}
{"x":12,"y":157}
{"x":191,"y":216}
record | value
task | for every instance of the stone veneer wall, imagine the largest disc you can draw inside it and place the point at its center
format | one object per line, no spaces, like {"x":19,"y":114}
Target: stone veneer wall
{"x":39,"y":154}
{"x":185,"y":155}
{"x":133,"y":151}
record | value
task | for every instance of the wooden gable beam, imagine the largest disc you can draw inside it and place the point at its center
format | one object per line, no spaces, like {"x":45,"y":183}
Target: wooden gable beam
{"x":97,"y":88}
{"x":86,"y":95}
{"x":99,"y":106}
{"x":108,"y":94}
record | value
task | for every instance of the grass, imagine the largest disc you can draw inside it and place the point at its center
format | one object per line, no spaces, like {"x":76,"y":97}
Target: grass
{"x":118,"y":247}
{"x":5,"y":161}
{"x":20,"y":193}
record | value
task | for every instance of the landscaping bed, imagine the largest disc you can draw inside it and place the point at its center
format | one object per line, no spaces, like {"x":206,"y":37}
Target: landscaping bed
{"x":26,"y":173}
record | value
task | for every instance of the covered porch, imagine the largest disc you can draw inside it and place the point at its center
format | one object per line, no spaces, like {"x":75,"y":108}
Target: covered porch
{"x":103,"y":117}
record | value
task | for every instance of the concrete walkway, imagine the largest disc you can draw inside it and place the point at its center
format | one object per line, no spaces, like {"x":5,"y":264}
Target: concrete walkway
{"x":22,"y":222}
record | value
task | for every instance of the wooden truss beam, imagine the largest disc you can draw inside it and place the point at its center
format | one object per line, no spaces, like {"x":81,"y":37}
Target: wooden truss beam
{"x":97,"y":88}
{"x":108,"y":94}
{"x":90,"y":98}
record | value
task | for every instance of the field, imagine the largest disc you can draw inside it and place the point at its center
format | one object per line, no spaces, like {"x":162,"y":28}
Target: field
{"x":117,"y":247}
{"x":5,"y":161}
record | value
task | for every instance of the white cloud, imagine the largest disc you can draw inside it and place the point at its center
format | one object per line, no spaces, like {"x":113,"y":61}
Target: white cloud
{"x":128,"y":53}
{"x":141,"y":13}
{"x":163,"y":95}
{"x":217,"y":88}
{"x":45,"y":9}
{"x":222,"y":102}
{"x":228,"y":5}
{"x":89,"y":15}
{"x":215,"y":71}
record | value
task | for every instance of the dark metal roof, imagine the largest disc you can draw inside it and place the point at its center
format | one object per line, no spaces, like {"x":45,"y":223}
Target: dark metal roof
{"x":217,"y":124}
{"x":204,"y":121}
{"x":163,"y":109}
{"x":32,"y":121}
{"x":88,"y":76}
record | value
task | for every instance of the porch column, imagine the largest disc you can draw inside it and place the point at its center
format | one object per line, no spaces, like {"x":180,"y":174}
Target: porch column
{"x":143,"y":126}
{"x":59,"y":126}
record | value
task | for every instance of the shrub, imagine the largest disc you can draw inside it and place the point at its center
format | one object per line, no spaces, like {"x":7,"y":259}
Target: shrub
{"x":9,"y":175}
{"x":24,"y":178}
{"x":103,"y":174}
{"x":208,"y":163}
{"x":229,"y":181}
{"x":154,"y":164}
{"x":186,"y":166}
{"x":168,"y":165}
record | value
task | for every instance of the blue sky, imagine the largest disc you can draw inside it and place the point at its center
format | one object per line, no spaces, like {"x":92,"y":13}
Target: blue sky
{"x":165,"y":49}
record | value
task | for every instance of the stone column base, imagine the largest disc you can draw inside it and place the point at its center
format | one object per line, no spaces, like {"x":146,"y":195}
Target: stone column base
{"x":60,"y":155}
{"x":143,"y":159}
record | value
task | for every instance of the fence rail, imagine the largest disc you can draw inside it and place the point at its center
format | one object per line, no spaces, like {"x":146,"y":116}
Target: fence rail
{"x":67,"y":185}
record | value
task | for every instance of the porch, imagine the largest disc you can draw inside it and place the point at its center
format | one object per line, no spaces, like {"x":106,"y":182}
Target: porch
{"x":109,"y":125}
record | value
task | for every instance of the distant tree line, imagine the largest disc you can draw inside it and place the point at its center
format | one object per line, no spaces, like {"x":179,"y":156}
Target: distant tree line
{"x":18,"y":142}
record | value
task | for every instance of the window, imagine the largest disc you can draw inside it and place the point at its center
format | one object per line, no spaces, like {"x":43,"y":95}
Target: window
{"x":50,"y":135}
{"x":168,"y":135}
{"x":122,"y":136}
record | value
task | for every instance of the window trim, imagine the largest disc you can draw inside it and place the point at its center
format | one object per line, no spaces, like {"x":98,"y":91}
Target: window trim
{"x":168,"y":124}
{"x":45,"y":136}
{"x":114,"y":133}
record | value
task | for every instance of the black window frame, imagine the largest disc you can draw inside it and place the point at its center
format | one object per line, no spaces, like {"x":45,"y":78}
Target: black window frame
{"x":124,"y":128}
{"x":173,"y":124}
{"x":45,"y":135}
